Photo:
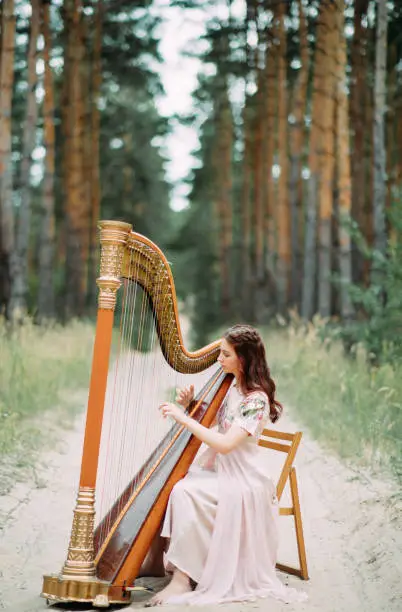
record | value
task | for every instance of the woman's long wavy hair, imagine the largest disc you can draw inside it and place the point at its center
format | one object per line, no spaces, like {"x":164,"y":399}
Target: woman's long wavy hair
{"x":255,"y":373}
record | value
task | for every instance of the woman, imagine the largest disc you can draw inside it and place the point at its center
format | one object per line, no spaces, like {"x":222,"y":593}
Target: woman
{"x":221,"y":518}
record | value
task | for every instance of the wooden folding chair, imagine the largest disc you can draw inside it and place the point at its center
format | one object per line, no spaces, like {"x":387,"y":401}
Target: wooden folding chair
{"x":288,"y":472}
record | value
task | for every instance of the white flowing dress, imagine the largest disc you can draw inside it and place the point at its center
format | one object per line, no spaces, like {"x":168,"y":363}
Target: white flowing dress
{"x":221,"y":518}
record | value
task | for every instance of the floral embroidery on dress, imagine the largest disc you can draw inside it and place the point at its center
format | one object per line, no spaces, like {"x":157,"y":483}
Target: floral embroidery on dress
{"x":250,"y":413}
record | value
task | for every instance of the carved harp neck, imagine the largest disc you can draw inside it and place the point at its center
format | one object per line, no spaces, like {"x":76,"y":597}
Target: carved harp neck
{"x":144,"y":263}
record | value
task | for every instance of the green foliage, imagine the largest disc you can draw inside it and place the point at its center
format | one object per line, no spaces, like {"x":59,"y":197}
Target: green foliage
{"x":133,"y":184}
{"x":130,"y":45}
{"x":195,"y":249}
{"x":197,"y":271}
{"x":132,"y":174}
{"x":378,"y":324}
{"x":352,"y":409}
{"x":40,"y":369}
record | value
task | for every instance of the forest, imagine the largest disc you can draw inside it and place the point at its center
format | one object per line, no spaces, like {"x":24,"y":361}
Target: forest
{"x":295,"y":194}
{"x":291,"y":220}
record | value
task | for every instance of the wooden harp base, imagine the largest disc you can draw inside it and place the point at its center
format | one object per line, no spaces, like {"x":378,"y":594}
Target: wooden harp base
{"x":57,"y":589}
{"x":77,"y":581}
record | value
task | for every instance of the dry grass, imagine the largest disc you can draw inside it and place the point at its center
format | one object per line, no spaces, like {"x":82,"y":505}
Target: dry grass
{"x":352,"y":408}
{"x":40,"y":370}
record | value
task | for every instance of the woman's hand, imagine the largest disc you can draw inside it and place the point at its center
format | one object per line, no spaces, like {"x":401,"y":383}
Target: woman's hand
{"x":185,"y":396}
{"x":221,"y":443}
{"x":173,"y":411}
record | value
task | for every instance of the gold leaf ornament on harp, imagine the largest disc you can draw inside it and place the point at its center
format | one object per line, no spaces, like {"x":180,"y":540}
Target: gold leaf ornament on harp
{"x":145,"y":264}
{"x":80,"y":556}
{"x":113,"y":239}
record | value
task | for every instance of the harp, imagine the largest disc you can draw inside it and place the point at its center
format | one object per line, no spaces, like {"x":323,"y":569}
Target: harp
{"x":103,"y":560}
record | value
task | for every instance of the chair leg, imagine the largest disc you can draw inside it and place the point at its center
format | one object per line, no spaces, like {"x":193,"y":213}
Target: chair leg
{"x":298,"y":524}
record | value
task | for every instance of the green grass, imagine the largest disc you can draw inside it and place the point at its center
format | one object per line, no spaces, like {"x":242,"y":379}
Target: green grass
{"x":41,"y":369}
{"x":351,"y":408}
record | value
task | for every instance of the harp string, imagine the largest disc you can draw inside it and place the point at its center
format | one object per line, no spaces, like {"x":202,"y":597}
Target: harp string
{"x":158,"y":461}
{"x":141,"y":447}
{"x":126,"y":386}
{"x":114,"y":413}
{"x":139,"y":380}
{"x":133,"y":403}
{"x":111,"y":426}
{"x":131,"y":367}
{"x":135,"y":421}
{"x":108,"y":433}
{"x":136,"y":407}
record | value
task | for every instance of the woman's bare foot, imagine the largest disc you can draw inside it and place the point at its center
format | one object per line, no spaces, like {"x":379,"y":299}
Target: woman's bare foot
{"x":179,"y":584}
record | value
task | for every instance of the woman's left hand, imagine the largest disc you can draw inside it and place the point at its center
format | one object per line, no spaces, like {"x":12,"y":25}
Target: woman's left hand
{"x":173,"y":411}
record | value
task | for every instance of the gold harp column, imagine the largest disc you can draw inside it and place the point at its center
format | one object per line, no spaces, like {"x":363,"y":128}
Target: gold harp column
{"x":79,"y":566}
{"x":80,"y":558}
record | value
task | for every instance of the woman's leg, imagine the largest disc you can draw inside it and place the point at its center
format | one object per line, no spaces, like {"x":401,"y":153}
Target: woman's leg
{"x":189,"y":523}
{"x":188,"y":527}
{"x":153,"y":564}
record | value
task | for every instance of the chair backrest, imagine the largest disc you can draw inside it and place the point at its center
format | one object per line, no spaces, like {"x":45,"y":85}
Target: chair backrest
{"x":286,"y":443}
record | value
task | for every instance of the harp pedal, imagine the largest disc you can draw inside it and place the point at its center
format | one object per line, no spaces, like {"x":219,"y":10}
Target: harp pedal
{"x":139,"y":589}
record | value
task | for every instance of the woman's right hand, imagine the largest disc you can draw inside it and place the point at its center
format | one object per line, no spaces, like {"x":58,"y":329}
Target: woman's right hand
{"x":185,"y":396}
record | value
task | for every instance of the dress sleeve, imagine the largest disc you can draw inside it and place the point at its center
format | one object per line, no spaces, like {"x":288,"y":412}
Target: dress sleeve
{"x":220,"y":417}
{"x":253,"y":413}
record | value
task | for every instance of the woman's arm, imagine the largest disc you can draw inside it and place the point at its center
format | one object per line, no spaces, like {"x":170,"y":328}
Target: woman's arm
{"x":222,"y":443}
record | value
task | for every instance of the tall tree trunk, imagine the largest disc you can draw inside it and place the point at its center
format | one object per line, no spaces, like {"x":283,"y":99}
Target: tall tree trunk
{"x":247,"y":288}
{"x":271,"y":95}
{"x":297,"y":136}
{"x":308,"y":305}
{"x":95,"y":137}
{"x":65,"y":130}
{"x":258,"y":144}
{"x":224,"y":193}
{"x":368,"y":218}
{"x":77,"y":207}
{"x":398,"y":155}
{"x":262,"y":295}
{"x":310,"y":248}
{"x":46,"y":308}
{"x":359,"y":101}
{"x":343,"y":167}
{"x":379,"y":184}
{"x":391,"y":140}
{"x":326,"y":162}
{"x":6,"y":174}
{"x":258,"y":185}
{"x":245,"y":228}
{"x":87,"y":23}
{"x":282,"y":208}
{"x":19,"y":260}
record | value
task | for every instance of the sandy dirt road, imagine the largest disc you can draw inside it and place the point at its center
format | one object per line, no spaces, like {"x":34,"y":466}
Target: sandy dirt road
{"x":352,"y":530}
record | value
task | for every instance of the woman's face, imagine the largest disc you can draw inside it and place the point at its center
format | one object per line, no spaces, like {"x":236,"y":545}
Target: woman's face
{"x":228,"y":359}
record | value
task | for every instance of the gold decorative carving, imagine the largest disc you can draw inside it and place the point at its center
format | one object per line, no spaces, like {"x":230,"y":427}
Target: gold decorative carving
{"x":60,"y":589}
{"x":113,"y":238}
{"x":78,"y":582}
{"x":80,"y":556}
{"x":145,"y":264}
